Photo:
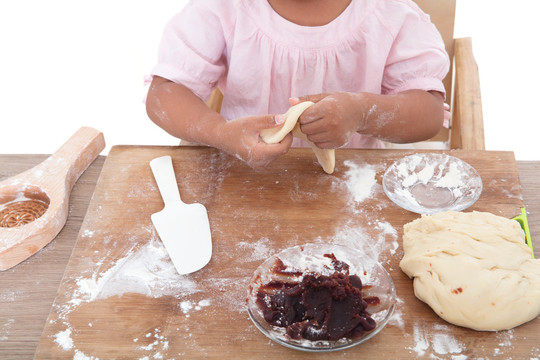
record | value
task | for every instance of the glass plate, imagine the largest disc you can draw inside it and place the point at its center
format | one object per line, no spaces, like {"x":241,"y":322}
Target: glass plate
{"x":430,"y":183}
{"x":310,"y":258}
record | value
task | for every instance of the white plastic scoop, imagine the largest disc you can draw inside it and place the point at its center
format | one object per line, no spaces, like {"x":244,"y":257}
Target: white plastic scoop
{"x":183,"y":228}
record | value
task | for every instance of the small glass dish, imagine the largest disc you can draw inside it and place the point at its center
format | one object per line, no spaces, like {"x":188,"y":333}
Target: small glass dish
{"x":310,"y":259}
{"x":429,"y":183}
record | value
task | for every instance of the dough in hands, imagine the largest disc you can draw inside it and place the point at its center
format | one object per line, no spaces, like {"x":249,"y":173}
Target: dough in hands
{"x":473,"y":269}
{"x":326,"y":157}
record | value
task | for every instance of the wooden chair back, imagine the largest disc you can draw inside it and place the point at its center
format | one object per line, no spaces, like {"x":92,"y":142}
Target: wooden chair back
{"x":462,"y":83}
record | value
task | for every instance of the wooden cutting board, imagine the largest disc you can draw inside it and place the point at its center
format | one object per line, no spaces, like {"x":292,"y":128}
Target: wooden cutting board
{"x":120,"y":297}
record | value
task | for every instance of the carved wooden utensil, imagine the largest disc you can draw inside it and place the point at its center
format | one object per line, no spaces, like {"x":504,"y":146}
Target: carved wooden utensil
{"x":34,"y":204}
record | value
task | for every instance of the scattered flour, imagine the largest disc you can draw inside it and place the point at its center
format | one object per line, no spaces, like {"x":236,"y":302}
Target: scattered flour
{"x":156,"y":348}
{"x":421,"y":344}
{"x":360,"y":180}
{"x":79,"y":355}
{"x":10,"y":296}
{"x":203,"y":303}
{"x":231,"y":290}
{"x":299,"y":194}
{"x":505,"y":338}
{"x":397,"y":316}
{"x":445,"y":344}
{"x":147,"y":271}
{"x":435,"y":340}
{"x":357,"y":237}
{"x":87,"y":233}
{"x":64,"y":340}
{"x":387,"y":230}
{"x":186,"y":306}
{"x":260,"y":249}
{"x":5,"y":329}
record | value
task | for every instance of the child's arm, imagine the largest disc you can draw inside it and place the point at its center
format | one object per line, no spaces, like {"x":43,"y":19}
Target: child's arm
{"x":182,"y":114}
{"x":410,"y":116}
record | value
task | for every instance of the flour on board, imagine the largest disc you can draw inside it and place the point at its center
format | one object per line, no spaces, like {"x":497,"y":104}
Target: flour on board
{"x":64,"y":340}
{"x":146,"y":271}
{"x":436,"y":340}
{"x":355,"y":236}
{"x":360,"y":180}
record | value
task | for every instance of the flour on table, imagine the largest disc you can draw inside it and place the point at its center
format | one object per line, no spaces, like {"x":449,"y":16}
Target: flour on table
{"x":259,"y":250}
{"x":10,"y":296}
{"x":357,"y":237}
{"x":231,"y":290}
{"x":505,"y":338}
{"x":79,"y":355}
{"x":64,"y":340}
{"x":156,"y":348}
{"x":146,"y":271}
{"x":5,"y":329}
{"x":387,"y":230}
{"x":435,"y":340}
{"x":186,"y":306}
{"x":397,"y":317}
{"x":514,"y":192}
{"x":360,"y":180}
{"x":87,"y":233}
{"x":300,"y":194}
{"x":362,"y":185}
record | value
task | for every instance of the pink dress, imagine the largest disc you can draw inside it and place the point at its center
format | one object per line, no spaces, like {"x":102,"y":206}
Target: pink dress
{"x":259,"y":59}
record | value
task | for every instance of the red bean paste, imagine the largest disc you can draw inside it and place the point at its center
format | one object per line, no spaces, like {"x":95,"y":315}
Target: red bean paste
{"x":319,"y":307}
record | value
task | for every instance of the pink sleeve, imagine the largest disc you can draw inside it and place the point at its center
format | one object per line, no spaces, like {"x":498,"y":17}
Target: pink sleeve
{"x":418,"y":59}
{"x":191,"y":50}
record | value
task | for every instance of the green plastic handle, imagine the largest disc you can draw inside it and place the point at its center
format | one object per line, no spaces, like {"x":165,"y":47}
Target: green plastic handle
{"x":522,"y":220}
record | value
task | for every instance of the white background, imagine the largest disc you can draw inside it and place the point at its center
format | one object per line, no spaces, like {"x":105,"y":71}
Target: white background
{"x":66,"y":64}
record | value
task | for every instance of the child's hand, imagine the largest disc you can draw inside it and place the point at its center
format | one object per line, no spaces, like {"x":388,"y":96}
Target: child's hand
{"x":241,"y":138}
{"x":406,"y":117}
{"x":332,"y":120}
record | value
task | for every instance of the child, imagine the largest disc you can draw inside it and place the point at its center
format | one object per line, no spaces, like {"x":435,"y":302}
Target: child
{"x":372,"y":67}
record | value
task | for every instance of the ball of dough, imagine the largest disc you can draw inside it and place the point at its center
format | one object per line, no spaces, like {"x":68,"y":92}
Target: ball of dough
{"x":473,"y":269}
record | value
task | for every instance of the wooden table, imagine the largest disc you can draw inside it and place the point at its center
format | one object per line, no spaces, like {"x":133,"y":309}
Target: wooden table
{"x":28,"y":290}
